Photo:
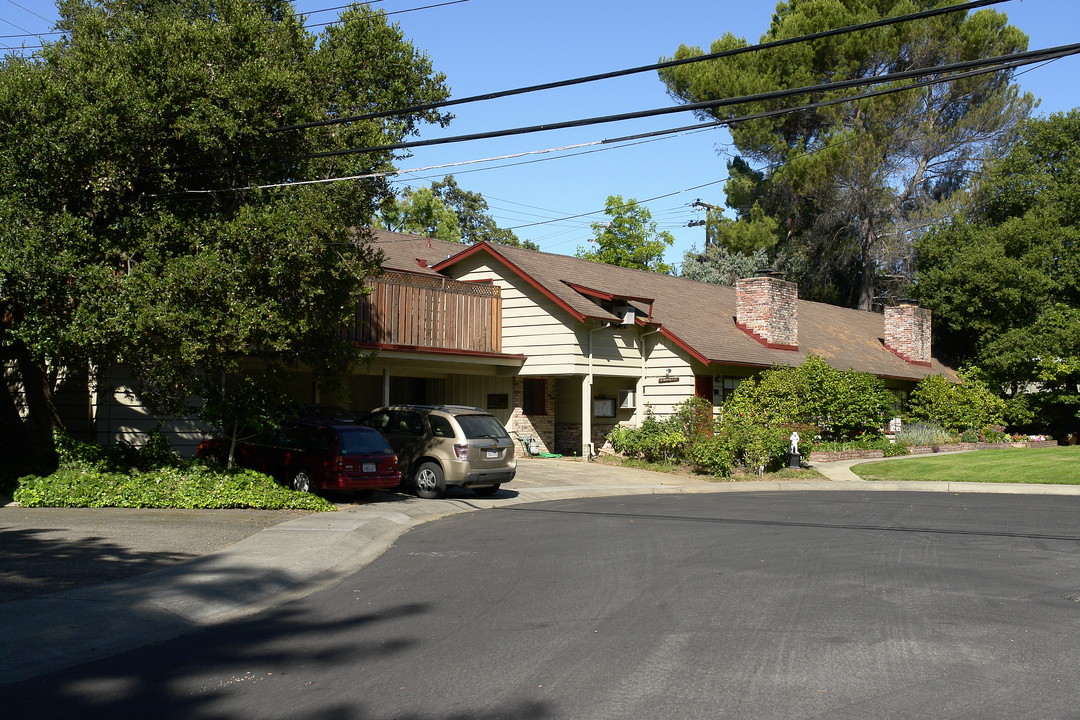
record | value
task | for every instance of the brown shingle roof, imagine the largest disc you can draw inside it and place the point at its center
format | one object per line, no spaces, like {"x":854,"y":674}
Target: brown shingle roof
{"x":700,"y":317}
{"x":413,"y":253}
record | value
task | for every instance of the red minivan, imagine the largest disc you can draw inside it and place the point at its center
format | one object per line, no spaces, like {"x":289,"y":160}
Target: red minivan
{"x":313,"y":456}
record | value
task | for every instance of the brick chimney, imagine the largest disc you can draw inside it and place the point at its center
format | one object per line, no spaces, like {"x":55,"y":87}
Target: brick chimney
{"x":907,"y":332}
{"x":766,"y":308}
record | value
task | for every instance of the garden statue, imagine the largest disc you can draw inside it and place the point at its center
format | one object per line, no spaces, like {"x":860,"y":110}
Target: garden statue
{"x":795,"y":443}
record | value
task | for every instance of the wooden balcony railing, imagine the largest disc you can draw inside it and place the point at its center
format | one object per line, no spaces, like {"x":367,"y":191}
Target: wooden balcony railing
{"x":429,"y":312}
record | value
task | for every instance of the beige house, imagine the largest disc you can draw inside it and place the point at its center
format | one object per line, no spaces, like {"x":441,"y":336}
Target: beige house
{"x":562,"y":349}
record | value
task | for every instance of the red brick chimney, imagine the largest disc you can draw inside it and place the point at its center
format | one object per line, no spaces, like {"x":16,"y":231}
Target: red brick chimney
{"x":766,"y":308}
{"x":907,"y":332}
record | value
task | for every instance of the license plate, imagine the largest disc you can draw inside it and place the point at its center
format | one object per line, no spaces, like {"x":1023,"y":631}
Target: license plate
{"x":368,"y":467}
{"x":491,"y":454}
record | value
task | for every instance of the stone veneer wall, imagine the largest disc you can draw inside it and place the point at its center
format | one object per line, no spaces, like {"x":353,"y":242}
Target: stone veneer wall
{"x":542,"y":427}
{"x":768,"y":308}
{"x":568,"y":437}
{"x":820,"y":457}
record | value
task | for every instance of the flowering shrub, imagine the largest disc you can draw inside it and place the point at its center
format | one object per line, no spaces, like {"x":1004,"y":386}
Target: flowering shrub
{"x":923,"y":434}
{"x":993,"y":434}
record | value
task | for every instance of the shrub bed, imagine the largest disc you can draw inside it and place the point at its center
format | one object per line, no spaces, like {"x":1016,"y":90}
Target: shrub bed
{"x":152,"y":476}
{"x":190,"y":486}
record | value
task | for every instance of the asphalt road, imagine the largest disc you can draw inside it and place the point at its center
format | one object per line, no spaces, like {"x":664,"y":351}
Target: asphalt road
{"x":737,"y":605}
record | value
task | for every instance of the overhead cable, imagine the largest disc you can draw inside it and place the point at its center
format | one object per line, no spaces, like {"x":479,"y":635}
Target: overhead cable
{"x":310,"y":12}
{"x":995,"y":63}
{"x":962,"y":7}
{"x":638,"y":136}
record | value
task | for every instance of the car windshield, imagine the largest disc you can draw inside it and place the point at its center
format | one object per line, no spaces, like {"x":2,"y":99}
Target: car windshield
{"x":481,"y":426}
{"x":362,"y":441}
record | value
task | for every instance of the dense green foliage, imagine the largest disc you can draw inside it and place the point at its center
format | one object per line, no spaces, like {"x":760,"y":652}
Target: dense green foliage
{"x":131,"y":229}
{"x":753,"y":429}
{"x":152,"y":476}
{"x":844,"y":186}
{"x":720,"y":266}
{"x":474,"y":217}
{"x":446,"y":211}
{"x":190,"y":486}
{"x":420,"y":212}
{"x":691,"y":435}
{"x":968,"y":405}
{"x":629,"y":238}
{"x":1003,"y":277}
{"x":841,"y":404}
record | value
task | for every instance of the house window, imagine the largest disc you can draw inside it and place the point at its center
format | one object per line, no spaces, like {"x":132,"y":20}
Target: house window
{"x":894,"y":423}
{"x":724,"y":388}
{"x":534,"y":396}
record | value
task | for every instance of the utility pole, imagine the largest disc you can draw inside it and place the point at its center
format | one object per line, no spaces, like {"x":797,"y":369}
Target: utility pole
{"x":699,"y":203}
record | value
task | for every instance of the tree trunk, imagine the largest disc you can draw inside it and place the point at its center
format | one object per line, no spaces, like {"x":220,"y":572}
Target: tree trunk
{"x":866,"y":278}
{"x":26,"y":422}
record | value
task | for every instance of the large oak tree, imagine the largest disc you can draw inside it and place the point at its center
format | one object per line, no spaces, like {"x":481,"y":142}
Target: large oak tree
{"x":843,"y":188}
{"x":139,"y":222}
{"x":1003,"y":276}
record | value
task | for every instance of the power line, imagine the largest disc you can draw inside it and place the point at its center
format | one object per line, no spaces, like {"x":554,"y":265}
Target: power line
{"x":30,"y":34}
{"x":995,"y":64}
{"x":1039,"y":56}
{"x":591,"y":151}
{"x":964,"y":7}
{"x":407,"y":10}
{"x":311,"y":25}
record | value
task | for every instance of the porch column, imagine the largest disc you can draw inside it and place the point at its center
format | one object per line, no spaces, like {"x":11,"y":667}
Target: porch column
{"x":586,"y":417}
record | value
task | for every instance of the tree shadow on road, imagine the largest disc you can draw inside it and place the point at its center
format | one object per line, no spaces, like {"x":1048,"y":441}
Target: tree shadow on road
{"x":41,"y":561}
{"x":287,"y":662}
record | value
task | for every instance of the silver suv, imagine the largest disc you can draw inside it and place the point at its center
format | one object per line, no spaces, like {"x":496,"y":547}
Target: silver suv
{"x":442,"y":445}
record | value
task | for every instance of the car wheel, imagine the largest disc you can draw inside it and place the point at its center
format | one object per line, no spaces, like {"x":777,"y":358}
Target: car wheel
{"x":486,"y":490}
{"x":429,"y":481}
{"x":301,"y":482}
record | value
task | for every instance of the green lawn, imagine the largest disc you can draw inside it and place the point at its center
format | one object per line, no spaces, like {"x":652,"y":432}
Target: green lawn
{"x":1059,"y":466}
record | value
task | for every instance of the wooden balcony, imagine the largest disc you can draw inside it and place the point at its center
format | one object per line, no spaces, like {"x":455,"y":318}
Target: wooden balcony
{"x":428,"y":312}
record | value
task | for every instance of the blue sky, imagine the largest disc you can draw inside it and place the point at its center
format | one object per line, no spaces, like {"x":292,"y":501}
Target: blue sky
{"x":488,"y":45}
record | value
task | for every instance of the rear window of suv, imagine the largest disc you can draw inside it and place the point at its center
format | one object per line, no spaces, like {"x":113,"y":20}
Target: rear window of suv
{"x":481,"y":426}
{"x":362,"y":441}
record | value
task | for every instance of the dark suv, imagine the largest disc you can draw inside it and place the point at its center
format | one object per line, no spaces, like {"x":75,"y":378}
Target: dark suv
{"x":311,"y":456}
{"x":444,"y":445}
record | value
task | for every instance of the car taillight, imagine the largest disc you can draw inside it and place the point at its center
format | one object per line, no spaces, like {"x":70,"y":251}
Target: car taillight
{"x":462,"y":451}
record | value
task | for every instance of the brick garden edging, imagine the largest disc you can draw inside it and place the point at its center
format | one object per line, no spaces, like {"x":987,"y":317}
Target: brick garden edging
{"x":822,"y":457}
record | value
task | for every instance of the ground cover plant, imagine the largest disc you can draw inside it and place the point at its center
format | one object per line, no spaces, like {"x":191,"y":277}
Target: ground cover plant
{"x":152,"y":476}
{"x":1056,"y":465}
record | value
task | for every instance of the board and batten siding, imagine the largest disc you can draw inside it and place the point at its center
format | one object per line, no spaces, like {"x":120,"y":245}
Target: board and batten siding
{"x":474,"y":390}
{"x":662,"y":397}
{"x":532,"y":324}
{"x":554,"y":342}
{"x":615,"y":350}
